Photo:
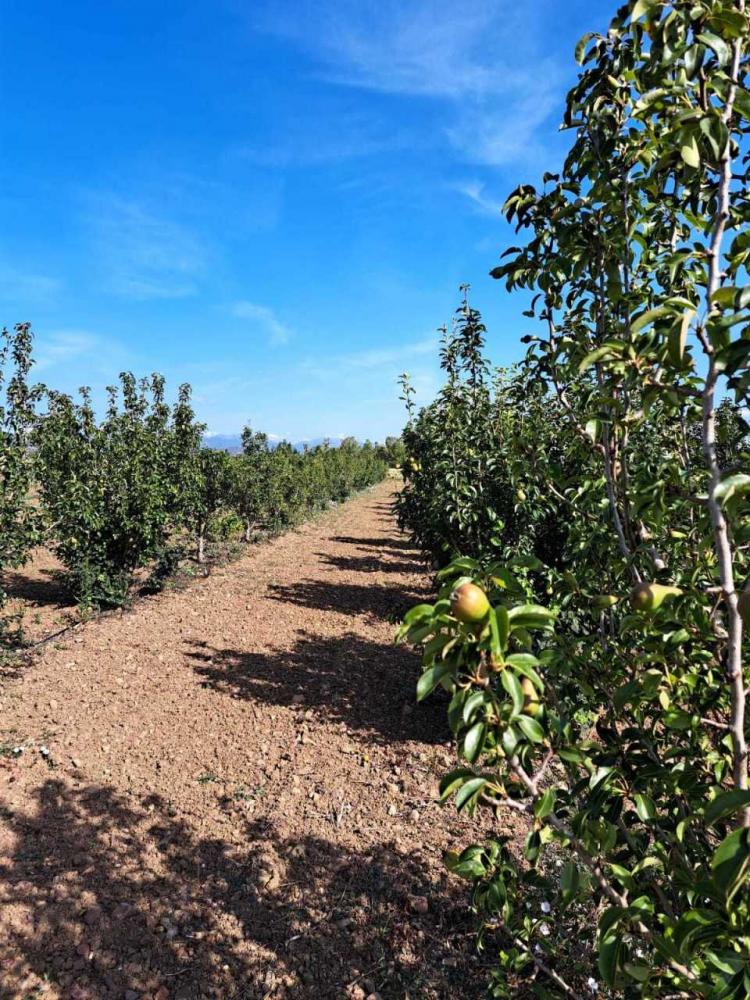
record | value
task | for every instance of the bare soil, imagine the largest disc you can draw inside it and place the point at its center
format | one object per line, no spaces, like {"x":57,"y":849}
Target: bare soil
{"x":228,"y":791}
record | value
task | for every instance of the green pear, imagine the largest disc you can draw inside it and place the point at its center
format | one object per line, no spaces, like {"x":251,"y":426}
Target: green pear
{"x":531,"y":704}
{"x":604,"y":601}
{"x":651,"y":596}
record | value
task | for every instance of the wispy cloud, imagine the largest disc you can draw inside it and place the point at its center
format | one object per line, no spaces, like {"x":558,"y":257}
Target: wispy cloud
{"x":144,"y":254}
{"x":26,"y":288}
{"x":474,"y":191}
{"x":368,"y":362}
{"x":479,"y":59}
{"x":329,"y":132}
{"x":88,"y":352}
{"x":264,"y":318}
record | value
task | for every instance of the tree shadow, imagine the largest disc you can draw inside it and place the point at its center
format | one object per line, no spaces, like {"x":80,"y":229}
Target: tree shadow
{"x":381,"y":601}
{"x":103,"y":898}
{"x":372,"y":564}
{"x":41,"y":587}
{"x":384,"y":544}
{"x":346,"y":678}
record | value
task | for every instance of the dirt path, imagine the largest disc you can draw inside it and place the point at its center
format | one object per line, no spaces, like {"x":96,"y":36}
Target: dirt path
{"x":239,"y":794}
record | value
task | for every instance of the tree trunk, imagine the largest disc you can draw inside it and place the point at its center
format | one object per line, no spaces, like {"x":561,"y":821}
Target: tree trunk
{"x":201,"y":546}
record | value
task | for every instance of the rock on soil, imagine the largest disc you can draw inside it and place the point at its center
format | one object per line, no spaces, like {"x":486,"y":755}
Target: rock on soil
{"x":215,"y":816}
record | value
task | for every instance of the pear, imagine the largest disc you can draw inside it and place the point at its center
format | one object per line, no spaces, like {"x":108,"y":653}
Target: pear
{"x":604,"y":601}
{"x":651,"y":596}
{"x":469,"y":604}
{"x":531,"y":704}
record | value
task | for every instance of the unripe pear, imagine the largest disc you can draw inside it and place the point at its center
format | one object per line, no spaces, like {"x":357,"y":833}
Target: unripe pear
{"x":651,"y":596}
{"x":469,"y":604}
{"x":520,"y":496}
{"x":743,"y":606}
{"x":531,"y":704}
{"x":604,"y":601}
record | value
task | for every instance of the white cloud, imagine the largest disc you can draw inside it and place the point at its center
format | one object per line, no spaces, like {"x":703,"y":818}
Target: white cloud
{"x":480,"y":60}
{"x":144,"y":255}
{"x":474,"y":191}
{"x":80,"y":353}
{"x":23,"y":287}
{"x":381,"y":360}
{"x":263,"y":317}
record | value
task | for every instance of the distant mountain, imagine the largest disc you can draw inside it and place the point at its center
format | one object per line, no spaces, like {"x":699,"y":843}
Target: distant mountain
{"x":224,"y":442}
{"x":233,"y":442}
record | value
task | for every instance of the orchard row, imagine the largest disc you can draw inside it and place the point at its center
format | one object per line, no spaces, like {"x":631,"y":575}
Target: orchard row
{"x":590,"y":510}
{"x":137,"y":488}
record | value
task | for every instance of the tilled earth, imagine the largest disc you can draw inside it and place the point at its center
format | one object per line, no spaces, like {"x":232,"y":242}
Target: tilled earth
{"x":228,"y":791}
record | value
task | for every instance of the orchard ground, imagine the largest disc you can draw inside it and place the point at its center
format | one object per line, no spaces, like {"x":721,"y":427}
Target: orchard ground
{"x":228,"y":791}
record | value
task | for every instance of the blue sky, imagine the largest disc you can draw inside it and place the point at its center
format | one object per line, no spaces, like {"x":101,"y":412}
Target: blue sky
{"x":275,"y":201}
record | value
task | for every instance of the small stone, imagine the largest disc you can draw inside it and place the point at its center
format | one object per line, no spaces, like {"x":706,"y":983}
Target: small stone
{"x":414,"y":815}
{"x":393,"y":809}
{"x":92,"y":916}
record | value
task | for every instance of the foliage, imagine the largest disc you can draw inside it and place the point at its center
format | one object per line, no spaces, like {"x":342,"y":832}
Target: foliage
{"x":106,"y":488}
{"x":460,"y":494}
{"x":19,"y":523}
{"x":616,"y":732}
{"x":393,"y":452}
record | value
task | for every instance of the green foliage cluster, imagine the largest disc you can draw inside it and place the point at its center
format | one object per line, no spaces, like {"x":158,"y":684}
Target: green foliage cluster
{"x":602,"y":699}
{"x":19,"y":521}
{"x":460,"y":493}
{"x":116,"y":495}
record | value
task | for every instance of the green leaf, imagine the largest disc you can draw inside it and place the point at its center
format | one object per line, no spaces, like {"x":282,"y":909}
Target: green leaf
{"x":720,"y":48}
{"x":610,"y":950}
{"x":474,"y":741}
{"x":645,"y":807}
{"x":499,"y":629}
{"x":570,"y":878}
{"x":470,"y":790}
{"x":524,"y":663}
{"x":648,"y":317}
{"x":580,"y":48}
{"x":545,"y":804}
{"x":641,"y":8}
{"x":530,"y":728}
{"x":431,"y":678}
{"x":726,"y":804}
{"x":530,"y":616}
{"x":731,"y":861}
{"x":454,"y":780}
{"x":737,"y":484}
{"x":417,"y":613}
{"x":513,"y":687}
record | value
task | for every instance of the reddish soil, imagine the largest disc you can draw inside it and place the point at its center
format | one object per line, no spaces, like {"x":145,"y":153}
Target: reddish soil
{"x":228,"y":791}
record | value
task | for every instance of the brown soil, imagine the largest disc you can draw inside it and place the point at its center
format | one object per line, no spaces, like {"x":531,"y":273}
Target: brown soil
{"x":238,"y":798}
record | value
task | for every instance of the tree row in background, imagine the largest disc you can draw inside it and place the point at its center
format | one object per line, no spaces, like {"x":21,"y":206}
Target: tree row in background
{"x":137,"y":488}
{"x":590,"y":511}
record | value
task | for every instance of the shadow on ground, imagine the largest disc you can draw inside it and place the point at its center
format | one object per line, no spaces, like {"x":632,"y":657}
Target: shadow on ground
{"x":372,"y":600}
{"x":372,"y":564}
{"x":106,"y":899}
{"x":45,"y":587}
{"x":367,"y":685}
